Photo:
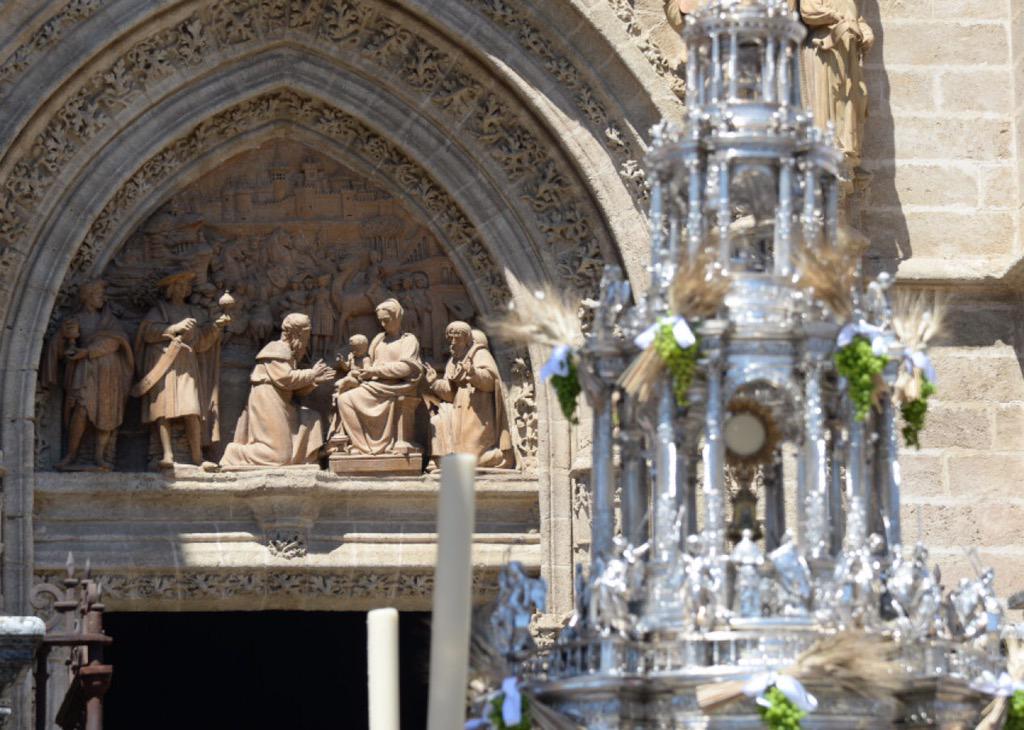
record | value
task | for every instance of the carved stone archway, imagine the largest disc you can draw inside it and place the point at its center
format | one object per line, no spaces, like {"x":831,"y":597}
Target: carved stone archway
{"x":245,"y":124}
{"x":525,"y":130}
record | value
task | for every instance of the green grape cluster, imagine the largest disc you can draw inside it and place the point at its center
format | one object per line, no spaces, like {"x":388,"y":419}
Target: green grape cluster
{"x":681,"y":363}
{"x":567,"y":387}
{"x":859,"y":365}
{"x":499,"y":724}
{"x":1015,"y":715}
{"x":913,"y":413}
{"x":781,"y":714}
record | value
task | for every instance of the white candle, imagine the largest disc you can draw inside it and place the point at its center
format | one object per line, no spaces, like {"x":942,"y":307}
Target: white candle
{"x":453,"y":582}
{"x":382,"y":668}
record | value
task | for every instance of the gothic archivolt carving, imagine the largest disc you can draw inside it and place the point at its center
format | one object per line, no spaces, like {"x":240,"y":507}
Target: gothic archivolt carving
{"x":626,"y":12}
{"x":339,"y":21}
{"x":46,"y":35}
{"x":357,"y":139}
{"x":562,"y":211}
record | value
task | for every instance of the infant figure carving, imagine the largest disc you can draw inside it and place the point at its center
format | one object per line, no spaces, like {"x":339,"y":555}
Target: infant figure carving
{"x":378,"y":415}
{"x":177,"y":350}
{"x":98,"y":363}
{"x":470,"y":405}
{"x":356,"y":360}
{"x":273,"y":430}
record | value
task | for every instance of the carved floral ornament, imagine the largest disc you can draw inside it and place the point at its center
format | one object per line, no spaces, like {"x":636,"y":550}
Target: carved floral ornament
{"x":366,"y":585}
{"x":338,"y":21}
{"x":457,"y":88}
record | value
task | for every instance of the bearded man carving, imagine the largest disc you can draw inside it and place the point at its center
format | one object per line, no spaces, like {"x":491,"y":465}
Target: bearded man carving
{"x":273,"y":430}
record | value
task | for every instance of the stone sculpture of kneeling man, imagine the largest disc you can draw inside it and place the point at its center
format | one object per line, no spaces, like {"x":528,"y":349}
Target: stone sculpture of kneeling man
{"x":273,"y":430}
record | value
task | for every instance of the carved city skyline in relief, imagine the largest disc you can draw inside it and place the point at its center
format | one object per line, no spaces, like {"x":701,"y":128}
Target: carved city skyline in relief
{"x":286,"y":229}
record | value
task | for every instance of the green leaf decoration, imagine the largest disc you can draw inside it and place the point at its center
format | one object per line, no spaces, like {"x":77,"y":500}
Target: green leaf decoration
{"x":859,"y":365}
{"x":913,"y":413}
{"x":567,"y":387}
{"x":781,"y":713}
{"x":495,"y":715}
{"x":681,"y":363}
{"x":1015,"y":713}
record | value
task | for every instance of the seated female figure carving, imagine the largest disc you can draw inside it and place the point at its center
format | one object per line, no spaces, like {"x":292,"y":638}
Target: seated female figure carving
{"x":377,"y":414}
{"x":272,"y":430}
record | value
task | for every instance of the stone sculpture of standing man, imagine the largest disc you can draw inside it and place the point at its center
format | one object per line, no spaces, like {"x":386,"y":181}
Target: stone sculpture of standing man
{"x":178,"y":351}
{"x":98,"y":365}
{"x":272,"y":430}
{"x":470,"y":416}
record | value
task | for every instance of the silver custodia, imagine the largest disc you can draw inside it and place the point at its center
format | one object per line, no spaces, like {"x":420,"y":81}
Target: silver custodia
{"x":759,"y":499}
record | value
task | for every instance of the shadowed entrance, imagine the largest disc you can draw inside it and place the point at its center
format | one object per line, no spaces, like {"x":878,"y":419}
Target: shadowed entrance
{"x":254,"y":670}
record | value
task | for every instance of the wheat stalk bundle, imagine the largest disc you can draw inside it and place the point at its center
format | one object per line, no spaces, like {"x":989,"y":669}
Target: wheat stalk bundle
{"x":543,"y":717}
{"x":860,"y":663}
{"x":547,"y":318}
{"x":918,"y":317}
{"x":697,"y":292}
{"x":830,"y":273}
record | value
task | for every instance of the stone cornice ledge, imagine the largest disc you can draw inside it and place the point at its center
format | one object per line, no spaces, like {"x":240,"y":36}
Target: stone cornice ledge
{"x":997,"y":273}
{"x":185,"y":478}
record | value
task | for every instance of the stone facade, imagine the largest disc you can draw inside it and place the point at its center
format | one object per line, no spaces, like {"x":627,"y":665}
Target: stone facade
{"x":510,"y":135}
{"x":943,"y":209}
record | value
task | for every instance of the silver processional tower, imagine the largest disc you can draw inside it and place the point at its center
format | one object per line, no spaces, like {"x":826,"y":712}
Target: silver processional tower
{"x":760,"y":513}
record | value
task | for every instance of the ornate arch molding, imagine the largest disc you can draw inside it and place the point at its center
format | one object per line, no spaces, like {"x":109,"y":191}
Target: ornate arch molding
{"x":588,"y":50}
{"x":184,"y":39}
{"x":440,"y":82}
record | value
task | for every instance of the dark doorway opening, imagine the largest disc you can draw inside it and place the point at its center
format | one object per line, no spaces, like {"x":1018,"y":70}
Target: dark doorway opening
{"x":266,"y":670}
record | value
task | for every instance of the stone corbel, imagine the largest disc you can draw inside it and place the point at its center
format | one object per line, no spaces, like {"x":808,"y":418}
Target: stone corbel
{"x":285,"y":517}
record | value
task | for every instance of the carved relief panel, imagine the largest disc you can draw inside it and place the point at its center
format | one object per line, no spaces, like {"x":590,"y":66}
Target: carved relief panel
{"x":279,"y":229}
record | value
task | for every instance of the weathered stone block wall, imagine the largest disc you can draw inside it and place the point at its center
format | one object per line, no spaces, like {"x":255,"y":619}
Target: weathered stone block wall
{"x":943,"y":210}
{"x":940,"y":140}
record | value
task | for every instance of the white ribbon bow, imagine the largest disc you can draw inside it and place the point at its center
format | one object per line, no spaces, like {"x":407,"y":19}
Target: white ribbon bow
{"x":557,"y":364}
{"x":512,"y":705}
{"x":788,"y":685}
{"x":1001,"y":686}
{"x":680,"y":331}
{"x":868,"y":331}
{"x":920,"y":360}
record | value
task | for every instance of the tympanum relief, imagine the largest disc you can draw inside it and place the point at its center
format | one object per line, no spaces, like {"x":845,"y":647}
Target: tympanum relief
{"x":280,"y":310}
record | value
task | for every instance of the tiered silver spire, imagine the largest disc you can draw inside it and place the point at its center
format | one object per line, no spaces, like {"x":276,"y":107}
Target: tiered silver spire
{"x":763,"y":515}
